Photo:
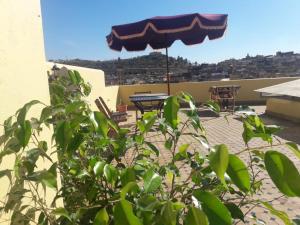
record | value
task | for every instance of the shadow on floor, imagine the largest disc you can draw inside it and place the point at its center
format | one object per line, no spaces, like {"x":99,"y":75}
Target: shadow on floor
{"x":290,"y":130}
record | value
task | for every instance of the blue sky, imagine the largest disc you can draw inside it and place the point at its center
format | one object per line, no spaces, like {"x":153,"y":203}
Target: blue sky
{"x":77,"y":28}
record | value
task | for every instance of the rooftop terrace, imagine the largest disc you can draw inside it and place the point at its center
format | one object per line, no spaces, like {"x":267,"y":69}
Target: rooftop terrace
{"x":23,"y":78}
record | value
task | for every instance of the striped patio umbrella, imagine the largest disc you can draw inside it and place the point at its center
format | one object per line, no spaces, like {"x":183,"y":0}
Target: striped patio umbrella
{"x":161,"y":32}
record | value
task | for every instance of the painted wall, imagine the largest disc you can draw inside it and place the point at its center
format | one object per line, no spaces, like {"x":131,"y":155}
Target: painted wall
{"x":199,"y":90}
{"x":97,"y":80}
{"x":284,"y":108}
{"x":23,"y":74}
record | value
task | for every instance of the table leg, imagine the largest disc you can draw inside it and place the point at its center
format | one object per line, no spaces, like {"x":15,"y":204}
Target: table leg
{"x":140,"y":107}
{"x":160,"y":107}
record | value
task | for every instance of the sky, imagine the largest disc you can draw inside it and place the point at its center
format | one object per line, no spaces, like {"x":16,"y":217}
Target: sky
{"x":77,"y":28}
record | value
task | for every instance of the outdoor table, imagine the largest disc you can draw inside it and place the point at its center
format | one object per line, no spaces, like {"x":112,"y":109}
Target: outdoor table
{"x":225,"y":95}
{"x":157,"y":100}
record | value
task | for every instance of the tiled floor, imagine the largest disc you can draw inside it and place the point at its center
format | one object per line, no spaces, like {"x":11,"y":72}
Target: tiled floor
{"x":230,"y":133}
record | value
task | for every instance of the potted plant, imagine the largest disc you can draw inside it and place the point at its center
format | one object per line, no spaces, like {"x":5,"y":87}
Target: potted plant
{"x":121,"y":107}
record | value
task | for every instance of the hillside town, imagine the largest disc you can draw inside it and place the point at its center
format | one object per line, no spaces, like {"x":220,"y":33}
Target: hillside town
{"x":152,"y":68}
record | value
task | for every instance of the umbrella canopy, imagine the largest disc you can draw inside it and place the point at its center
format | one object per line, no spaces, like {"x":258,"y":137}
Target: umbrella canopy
{"x":160,"y":32}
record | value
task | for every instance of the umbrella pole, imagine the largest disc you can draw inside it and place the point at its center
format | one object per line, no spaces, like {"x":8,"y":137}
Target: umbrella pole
{"x":168,"y":75}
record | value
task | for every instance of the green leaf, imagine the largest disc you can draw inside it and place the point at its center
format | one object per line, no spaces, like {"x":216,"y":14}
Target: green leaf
{"x":248,"y":132}
{"x":62,"y":212}
{"x":214,"y":209}
{"x":8,"y":128}
{"x":50,"y":177}
{"x":12,"y":145}
{"x":183,"y":150}
{"x":128,"y":175}
{"x":194,"y":119}
{"x":259,"y":125}
{"x":63,"y":134}
{"x":147,"y":203}
{"x":195,"y":217}
{"x":235,"y":211}
{"x":294,"y":147}
{"x":283,"y":173}
{"x":30,"y":160}
{"x":38,"y":152}
{"x":72,"y":77}
{"x":75,"y":142}
{"x":123,"y":214}
{"x":129,"y":187}
{"x":168,"y":143}
{"x":152,"y":147}
{"x":58,"y":91}
{"x":23,"y":133}
{"x":99,"y":168}
{"x":148,"y":121}
{"x":47,"y":177}
{"x":41,"y":218}
{"x":102,"y":123}
{"x":83,"y":174}
{"x":238,"y":173}
{"x":23,"y":111}
{"x":46,"y":113}
{"x":101,"y":217}
{"x":152,"y":181}
{"x":169,"y":214}
{"x":254,"y":127}
{"x":78,"y":77}
{"x":171,"y":109}
{"x":74,"y":106}
{"x":110,"y":173}
{"x":49,"y":111}
{"x":280,"y":214}
{"x":213,"y":106}
{"x":189,"y":99}
{"x":139,"y":138}
{"x":218,"y":161}
{"x":86,"y":88}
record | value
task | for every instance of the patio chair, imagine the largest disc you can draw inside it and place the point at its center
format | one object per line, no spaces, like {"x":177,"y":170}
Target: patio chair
{"x":117,"y":117}
{"x":147,"y":108}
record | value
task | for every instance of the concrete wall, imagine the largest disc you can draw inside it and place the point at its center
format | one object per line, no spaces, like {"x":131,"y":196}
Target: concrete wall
{"x":284,"y":108}
{"x":97,"y":80}
{"x":199,"y":90}
{"x":23,"y":74}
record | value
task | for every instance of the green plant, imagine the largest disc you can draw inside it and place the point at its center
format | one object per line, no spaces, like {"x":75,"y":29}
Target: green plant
{"x":100,"y":186}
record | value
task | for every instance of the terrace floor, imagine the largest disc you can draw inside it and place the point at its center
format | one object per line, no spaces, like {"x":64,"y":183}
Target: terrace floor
{"x":230,"y":133}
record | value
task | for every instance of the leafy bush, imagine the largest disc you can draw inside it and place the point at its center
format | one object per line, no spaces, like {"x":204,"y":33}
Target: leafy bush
{"x":101,"y":184}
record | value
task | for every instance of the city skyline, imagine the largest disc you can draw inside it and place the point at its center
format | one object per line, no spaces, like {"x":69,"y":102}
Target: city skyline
{"x":73,"y":29}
